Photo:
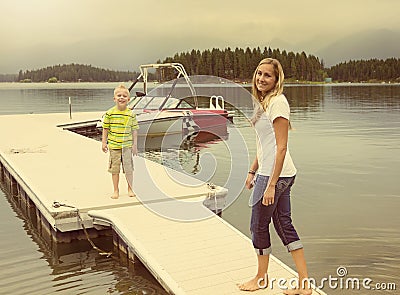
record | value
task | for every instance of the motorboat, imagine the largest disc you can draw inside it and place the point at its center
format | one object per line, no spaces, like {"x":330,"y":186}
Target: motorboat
{"x":174,"y":107}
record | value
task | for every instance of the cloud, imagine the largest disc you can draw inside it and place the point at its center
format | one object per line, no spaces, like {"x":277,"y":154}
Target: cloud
{"x":123,"y":33}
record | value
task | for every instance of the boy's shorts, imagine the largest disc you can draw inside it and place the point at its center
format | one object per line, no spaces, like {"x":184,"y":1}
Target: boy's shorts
{"x":119,"y":156}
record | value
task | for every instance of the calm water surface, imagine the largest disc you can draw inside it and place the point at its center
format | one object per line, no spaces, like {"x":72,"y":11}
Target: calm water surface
{"x":346,"y":200}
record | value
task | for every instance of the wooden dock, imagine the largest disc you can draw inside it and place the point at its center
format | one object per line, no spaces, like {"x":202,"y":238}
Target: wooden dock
{"x":44,"y":163}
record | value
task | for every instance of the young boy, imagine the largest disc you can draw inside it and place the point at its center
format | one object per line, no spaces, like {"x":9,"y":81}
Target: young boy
{"x":120,"y":138}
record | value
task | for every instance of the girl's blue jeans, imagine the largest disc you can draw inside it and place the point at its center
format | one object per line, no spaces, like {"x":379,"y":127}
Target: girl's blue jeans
{"x":279,"y":212}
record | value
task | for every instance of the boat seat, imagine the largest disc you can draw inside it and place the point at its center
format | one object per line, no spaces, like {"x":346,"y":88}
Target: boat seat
{"x":215,"y":102}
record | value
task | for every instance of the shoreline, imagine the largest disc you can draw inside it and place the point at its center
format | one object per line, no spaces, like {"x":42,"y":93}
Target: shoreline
{"x":155,"y":84}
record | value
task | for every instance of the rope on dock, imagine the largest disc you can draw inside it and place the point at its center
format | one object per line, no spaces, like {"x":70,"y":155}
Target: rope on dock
{"x":101,"y":252}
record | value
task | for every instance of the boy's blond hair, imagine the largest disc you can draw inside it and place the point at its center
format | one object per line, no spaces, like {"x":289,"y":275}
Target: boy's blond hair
{"x":121,"y":87}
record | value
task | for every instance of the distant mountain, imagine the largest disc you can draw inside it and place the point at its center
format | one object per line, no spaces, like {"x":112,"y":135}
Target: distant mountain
{"x":380,"y":44}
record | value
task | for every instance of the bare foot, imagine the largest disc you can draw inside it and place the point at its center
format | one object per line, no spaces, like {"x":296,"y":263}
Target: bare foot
{"x":131,"y":193}
{"x":254,"y":284}
{"x":115,"y":195}
{"x":298,"y":292}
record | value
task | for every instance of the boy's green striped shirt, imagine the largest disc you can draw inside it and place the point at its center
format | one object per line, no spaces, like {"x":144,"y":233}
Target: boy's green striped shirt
{"x":120,"y":125}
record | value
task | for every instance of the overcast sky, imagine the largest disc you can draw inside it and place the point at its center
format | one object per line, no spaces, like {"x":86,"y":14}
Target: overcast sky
{"x":121,"y":34}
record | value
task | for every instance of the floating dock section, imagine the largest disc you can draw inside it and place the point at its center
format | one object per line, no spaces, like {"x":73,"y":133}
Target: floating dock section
{"x":61,"y":177}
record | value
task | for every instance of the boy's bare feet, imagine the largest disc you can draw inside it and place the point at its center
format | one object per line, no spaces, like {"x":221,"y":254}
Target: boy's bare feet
{"x":298,"y":292}
{"x":131,"y":193}
{"x":254,"y":284}
{"x":115,"y":195}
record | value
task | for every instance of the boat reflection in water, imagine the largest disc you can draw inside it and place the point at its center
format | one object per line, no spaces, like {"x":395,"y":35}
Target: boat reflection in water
{"x":182,"y":152}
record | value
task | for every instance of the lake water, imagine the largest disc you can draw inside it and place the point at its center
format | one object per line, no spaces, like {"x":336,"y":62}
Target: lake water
{"x":345,"y":203}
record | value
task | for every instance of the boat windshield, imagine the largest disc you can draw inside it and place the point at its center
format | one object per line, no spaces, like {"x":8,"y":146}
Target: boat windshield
{"x":132,"y":103}
{"x":171,"y":103}
{"x":154,"y":103}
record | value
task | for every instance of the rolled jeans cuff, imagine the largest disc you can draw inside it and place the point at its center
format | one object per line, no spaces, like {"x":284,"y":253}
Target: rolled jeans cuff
{"x":294,"y":246}
{"x":266,"y":251}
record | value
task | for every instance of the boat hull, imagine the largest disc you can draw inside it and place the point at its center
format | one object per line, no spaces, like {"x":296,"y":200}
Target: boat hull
{"x":160,"y":123}
{"x":214,"y":122}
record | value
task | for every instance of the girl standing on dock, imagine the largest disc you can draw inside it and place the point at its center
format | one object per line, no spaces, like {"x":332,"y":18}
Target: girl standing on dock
{"x":272,"y":174}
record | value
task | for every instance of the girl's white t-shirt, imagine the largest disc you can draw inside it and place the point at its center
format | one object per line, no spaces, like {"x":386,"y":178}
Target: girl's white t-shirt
{"x":266,"y":143}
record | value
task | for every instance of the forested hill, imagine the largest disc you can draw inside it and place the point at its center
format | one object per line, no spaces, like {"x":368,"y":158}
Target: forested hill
{"x":372,"y":70}
{"x":74,"y":73}
{"x":237,"y":65}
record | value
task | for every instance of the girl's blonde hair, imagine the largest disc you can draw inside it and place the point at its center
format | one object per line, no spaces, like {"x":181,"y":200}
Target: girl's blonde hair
{"x":261,"y":103}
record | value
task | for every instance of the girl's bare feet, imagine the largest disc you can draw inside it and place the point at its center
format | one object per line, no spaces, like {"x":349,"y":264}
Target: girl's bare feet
{"x":131,"y":193}
{"x":298,"y":292}
{"x":254,"y":284}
